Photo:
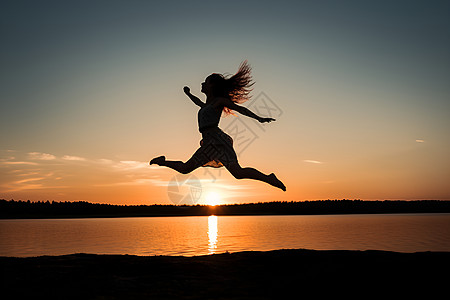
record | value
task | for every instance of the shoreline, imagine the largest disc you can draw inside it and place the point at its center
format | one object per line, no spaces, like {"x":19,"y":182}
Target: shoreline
{"x":217,"y":215}
{"x":276,"y":274}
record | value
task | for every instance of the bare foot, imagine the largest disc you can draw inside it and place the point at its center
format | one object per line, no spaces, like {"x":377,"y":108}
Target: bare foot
{"x":273,"y":180}
{"x":158,"y":160}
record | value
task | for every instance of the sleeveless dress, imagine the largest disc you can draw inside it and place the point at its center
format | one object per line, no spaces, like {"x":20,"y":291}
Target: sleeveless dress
{"x":216,"y":147}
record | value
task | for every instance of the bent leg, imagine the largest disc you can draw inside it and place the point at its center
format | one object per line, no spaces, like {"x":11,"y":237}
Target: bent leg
{"x":240,"y":173}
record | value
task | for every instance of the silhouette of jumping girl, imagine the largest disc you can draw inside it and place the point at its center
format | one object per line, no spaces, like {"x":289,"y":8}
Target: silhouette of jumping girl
{"x":216,"y":147}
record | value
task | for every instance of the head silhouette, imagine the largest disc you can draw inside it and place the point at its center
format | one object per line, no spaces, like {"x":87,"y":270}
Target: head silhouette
{"x":237,"y":87}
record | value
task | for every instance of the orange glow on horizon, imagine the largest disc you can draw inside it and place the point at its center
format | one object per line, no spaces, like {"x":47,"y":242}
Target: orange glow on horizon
{"x":43,"y":176}
{"x":212,"y":198}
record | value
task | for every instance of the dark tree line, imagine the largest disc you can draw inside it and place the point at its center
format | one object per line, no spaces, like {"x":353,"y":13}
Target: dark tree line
{"x":83,"y":209}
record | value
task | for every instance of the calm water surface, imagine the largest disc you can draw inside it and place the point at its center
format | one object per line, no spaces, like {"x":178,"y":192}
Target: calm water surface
{"x":208,"y":235}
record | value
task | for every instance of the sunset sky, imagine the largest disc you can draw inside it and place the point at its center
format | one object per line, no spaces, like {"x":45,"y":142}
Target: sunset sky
{"x":92,"y":90}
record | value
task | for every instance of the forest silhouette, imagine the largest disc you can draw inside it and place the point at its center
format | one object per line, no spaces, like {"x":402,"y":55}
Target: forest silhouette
{"x":28,"y":209}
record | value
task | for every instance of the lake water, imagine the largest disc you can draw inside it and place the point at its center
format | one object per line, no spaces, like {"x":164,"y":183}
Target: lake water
{"x":217,"y":234}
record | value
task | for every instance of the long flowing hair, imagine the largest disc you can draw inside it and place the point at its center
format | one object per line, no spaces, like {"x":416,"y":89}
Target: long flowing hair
{"x":236,"y":87}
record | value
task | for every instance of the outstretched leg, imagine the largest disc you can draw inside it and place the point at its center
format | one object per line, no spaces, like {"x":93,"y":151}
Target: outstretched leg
{"x":182,"y":167}
{"x":240,"y":173}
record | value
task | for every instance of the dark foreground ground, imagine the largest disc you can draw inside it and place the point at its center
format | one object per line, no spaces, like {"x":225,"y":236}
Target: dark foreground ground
{"x":280,"y":274}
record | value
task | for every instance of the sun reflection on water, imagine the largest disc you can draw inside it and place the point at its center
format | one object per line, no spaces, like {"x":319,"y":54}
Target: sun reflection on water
{"x":212,"y":234}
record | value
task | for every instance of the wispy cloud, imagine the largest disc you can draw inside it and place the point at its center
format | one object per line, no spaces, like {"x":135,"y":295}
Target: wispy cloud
{"x":26,"y":174}
{"x":33,"y":186}
{"x":41,"y":156}
{"x":20,"y":163}
{"x":43,"y":181}
{"x":24,"y":187}
{"x":28,"y":180}
{"x":73,"y":158}
{"x":9,"y":158}
{"x":312,"y":161}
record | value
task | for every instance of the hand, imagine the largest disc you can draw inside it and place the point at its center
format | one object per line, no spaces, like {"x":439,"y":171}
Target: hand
{"x":186,"y":90}
{"x":264,"y":120}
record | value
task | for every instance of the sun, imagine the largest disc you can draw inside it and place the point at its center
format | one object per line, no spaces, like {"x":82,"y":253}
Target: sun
{"x":212,"y":198}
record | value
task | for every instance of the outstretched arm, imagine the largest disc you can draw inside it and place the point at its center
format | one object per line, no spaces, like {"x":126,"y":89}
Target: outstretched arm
{"x":194,"y":99}
{"x":245,"y":111}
